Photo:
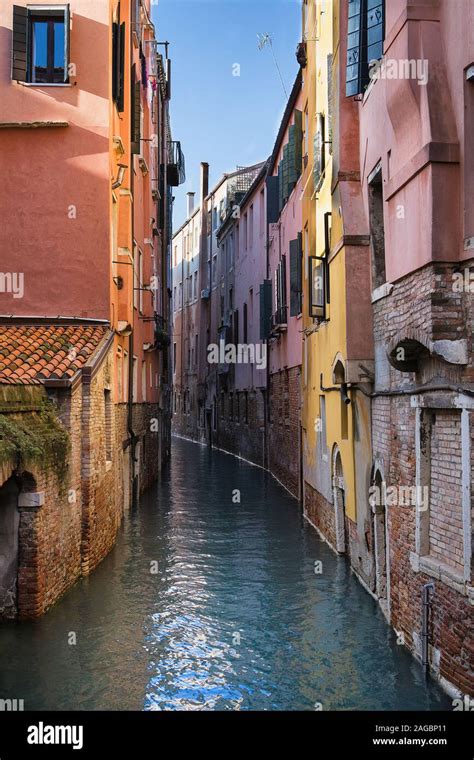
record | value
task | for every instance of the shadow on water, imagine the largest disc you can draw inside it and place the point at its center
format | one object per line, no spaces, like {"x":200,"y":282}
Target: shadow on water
{"x":209,"y":604}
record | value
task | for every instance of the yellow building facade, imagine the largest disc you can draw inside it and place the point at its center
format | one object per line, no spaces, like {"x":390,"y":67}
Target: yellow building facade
{"x":337,"y":337}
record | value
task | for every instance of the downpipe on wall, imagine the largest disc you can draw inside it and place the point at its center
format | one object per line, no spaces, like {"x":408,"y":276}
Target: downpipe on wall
{"x":425,"y":619}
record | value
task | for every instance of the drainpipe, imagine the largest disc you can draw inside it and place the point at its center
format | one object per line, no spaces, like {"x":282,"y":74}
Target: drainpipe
{"x":425,"y":615}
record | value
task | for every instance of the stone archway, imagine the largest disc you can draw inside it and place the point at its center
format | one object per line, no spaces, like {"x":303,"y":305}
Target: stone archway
{"x":339,"y":499}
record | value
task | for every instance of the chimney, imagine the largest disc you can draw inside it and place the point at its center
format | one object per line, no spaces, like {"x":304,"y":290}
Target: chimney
{"x":190,"y":197}
{"x":204,"y":181}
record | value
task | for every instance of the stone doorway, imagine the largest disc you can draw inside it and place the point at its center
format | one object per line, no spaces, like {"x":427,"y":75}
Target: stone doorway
{"x":9,"y":525}
{"x":339,"y":502}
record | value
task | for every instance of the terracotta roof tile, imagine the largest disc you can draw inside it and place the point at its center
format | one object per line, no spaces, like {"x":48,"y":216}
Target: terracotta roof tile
{"x":30,"y":354}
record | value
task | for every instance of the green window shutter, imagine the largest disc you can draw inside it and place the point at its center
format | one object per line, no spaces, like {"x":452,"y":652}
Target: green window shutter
{"x":265,"y":309}
{"x":280,"y":186}
{"x":292,"y":175}
{"x":20,"y":44}
{"x":295,"y":277}
{"x":285,"y":174}
{"x":298,"y":141}
{"x":272,"y":199}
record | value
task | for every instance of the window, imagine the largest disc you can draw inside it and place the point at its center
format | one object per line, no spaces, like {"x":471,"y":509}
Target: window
{"x":144,"y":381}
{"x":280,"y":292}
{"x":245,"y":323}
{"x":108,"y":424}
{"x":246,"y":407}
{"x":195,"y":283}
{"x":214,"y":218}
{"x":245,"y":232}
{"x":365,"y":36}
{"x":174,"y":357}
{"x":262,"y":213}
{"x":296,"y":287}
{"x":40,"y":44}
{"x":134,"y":380}
{"x":377,"y":230}
{"x":118,"y":62}
{"x":251,"y":226}
{"x":140,"y":281}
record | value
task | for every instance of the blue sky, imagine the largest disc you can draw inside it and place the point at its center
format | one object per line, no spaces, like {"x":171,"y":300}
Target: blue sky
{"x":223,"y":119}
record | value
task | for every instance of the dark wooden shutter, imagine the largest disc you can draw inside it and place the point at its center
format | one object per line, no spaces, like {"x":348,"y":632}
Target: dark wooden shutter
{"x":265,"y":309}
{"x":20,"y":44}
{"x":299,"y":141}
{"x":115,"y":48}
{"x":121,"y":69}
{"x":136,"y":113}
{"x":295,"y":277}
{"x":272,"y":199}
{"x":236,"y":326}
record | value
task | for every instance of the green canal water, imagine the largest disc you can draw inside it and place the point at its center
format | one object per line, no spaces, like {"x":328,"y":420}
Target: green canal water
{"x":206,"y":604}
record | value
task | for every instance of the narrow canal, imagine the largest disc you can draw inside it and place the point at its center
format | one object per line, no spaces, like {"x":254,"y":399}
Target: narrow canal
{"x":234,"y":618}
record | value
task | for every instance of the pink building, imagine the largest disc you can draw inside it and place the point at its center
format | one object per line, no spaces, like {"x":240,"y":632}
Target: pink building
{"x":284,"y":188}
{"x":416,"y":187}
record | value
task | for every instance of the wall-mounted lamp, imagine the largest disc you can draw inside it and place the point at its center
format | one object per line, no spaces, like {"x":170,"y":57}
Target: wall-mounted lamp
{"x":121,"y":173}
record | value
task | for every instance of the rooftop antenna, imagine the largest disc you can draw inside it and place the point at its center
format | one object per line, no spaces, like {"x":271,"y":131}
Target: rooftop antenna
{"x":264,"y":40}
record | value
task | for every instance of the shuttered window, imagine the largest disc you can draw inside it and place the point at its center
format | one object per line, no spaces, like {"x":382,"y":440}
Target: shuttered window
{"x":296,"y":293}
{"x":280,"y":317}
{"x":365,"y":36}
{"x":118,"y":63}
{"x":40,"y":45}
{"x":265,"y":309}
{"x":136,"y":112}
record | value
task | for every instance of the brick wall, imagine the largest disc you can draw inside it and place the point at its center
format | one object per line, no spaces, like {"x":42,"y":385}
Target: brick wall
{"x":284,"y":440}
{"x":426,"y":304}
{"x":446,"y":529}
{"x":240,"y":424}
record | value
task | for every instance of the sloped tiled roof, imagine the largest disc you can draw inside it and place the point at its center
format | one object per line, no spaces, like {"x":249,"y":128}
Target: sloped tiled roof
{"x":30,"y":354}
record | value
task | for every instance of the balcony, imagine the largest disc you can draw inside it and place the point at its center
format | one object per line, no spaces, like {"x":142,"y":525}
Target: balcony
{"x":279,"y":320}
{"x":162,"y":337}
{"x":175,"y":169}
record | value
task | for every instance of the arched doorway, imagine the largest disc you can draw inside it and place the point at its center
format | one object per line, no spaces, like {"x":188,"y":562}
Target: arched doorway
{"x":339,"y":501}
{"x":380,"y":534}
{"x":9,"y":525}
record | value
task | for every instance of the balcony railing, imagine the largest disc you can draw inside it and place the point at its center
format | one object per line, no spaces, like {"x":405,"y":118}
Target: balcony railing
{"x":162,"y":337}
{"x":176,"y":167}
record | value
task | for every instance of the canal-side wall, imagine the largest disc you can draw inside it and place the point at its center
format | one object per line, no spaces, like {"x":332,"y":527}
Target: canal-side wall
{"x":425,"y":439}
{"x":284,"y":432}
{"x":241,"y":424}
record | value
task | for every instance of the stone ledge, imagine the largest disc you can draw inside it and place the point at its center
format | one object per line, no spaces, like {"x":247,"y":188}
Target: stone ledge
{"x":441,"y":572}
{"x":32,"y":124}
{"x":31,"y":501}
{"x":381,"y":292}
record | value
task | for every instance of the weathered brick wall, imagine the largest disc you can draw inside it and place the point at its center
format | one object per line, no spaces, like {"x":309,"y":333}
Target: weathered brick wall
{"x":446,"y":529}
{"x":284,"y":440}
{"x":240,"y":425}
{"x":320,"y":512}
{"x":426,"y":302}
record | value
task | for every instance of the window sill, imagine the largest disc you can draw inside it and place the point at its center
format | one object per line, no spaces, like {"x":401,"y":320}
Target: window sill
{"x":45,"y":84}
{"x":441,"y":572}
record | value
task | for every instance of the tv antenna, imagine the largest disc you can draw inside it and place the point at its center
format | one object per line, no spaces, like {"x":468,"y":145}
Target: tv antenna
{"x":265,"y":40}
